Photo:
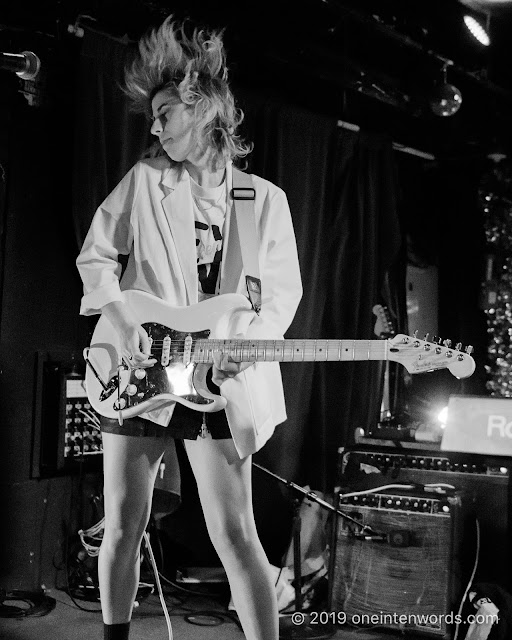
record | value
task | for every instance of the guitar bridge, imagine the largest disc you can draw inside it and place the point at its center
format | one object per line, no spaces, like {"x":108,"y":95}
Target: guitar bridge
{"x":110,"y":388}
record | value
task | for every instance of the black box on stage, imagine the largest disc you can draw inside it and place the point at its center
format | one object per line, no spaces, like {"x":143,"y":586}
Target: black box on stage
{"x":404,"y":572}
{"x":483,"y":481}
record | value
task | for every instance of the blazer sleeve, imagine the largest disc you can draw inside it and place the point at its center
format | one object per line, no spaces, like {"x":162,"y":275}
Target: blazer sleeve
{"x":280,"y":273}
{"x":109,"y":235}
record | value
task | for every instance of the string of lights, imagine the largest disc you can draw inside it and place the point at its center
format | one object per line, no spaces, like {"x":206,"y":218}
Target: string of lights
{"x":495,"y":197}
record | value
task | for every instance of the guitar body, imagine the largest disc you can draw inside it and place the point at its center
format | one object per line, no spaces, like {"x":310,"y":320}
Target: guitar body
{"x":172,"y":378}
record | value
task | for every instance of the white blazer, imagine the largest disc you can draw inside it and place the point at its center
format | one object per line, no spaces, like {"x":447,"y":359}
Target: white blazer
{"x":149,"y":217}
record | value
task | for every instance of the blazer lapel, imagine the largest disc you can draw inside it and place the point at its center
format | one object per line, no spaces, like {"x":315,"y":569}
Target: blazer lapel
{"x":178,"y":208}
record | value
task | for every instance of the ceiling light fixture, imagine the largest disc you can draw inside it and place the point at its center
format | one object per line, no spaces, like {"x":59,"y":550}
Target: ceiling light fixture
{"x":477,"y":30}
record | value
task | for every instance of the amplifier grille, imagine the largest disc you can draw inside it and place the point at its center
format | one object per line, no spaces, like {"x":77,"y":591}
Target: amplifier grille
{"x":407,"y":586}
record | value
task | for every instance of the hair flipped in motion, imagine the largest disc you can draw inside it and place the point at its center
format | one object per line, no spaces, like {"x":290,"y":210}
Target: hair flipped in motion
{"x":194,"y":68}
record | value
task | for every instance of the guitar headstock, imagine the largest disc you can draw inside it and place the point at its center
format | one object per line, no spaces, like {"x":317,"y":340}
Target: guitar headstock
{"x":419,"y":356}
{"x":384,"y":327}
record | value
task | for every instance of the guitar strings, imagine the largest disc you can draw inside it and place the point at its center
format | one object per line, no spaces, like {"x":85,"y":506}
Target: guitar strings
{"x":208,"y":344}
{"x":271,"y":349}
{"x":375,"y":346}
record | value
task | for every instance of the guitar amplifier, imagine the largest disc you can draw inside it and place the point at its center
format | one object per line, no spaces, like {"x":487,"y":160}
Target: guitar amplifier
{"x":483,"y":481}
{"x":406,"y":577}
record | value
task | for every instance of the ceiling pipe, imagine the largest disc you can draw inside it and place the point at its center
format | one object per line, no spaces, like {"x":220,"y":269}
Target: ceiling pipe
{"x":403,"y":39}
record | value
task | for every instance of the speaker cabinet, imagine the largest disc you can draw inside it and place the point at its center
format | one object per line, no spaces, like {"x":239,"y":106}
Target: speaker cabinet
{"x":402,"y":573}
{"x":483,"y":481}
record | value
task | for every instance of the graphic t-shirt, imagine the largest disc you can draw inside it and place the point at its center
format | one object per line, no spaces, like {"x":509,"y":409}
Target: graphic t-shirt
{"x":209,"y":215}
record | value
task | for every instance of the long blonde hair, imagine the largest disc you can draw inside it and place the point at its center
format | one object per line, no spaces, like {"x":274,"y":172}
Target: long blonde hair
{"x":195,"y":69}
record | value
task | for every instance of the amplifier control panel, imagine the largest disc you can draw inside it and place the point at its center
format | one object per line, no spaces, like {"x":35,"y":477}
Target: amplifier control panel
{"x":415,"y":503}
{"x":394,"y":461}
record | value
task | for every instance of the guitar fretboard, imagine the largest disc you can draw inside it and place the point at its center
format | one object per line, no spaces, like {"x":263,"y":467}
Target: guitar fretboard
{"x":292,"y":350}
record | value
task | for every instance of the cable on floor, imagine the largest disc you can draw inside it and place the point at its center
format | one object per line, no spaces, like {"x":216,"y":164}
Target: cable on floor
{"x":25,"y":604}
{"x":205,"y":618}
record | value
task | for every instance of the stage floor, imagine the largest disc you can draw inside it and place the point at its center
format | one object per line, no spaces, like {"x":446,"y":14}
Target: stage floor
{"x":213,"y":622}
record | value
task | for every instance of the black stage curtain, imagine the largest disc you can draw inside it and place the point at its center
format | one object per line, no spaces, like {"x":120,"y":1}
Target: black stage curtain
{"x":341,"y":187}
{"x":108,"y":137}
{"x":342,"y":190}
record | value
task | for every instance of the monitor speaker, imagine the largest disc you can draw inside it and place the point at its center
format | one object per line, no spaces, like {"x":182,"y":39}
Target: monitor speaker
{"x":402,"y":570}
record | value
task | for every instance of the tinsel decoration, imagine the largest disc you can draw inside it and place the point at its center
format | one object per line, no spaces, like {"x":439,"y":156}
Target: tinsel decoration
{"x":495,"y":199}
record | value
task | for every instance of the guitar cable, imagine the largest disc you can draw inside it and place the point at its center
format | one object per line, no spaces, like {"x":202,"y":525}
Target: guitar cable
{"x":159,"y":585}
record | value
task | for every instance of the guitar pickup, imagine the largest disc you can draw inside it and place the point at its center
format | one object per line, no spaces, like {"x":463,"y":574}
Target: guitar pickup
{"x":187,"y":350}
{"x":166,"y":351}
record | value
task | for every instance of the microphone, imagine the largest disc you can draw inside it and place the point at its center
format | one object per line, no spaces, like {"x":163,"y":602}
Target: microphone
{"x":25,"y":65}
{"x":395,"y":537}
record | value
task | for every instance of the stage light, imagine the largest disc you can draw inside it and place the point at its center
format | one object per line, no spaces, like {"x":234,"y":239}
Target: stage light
{"x":497,"y":152}
{"x":442,"y":417}
{"x":477,"y":30}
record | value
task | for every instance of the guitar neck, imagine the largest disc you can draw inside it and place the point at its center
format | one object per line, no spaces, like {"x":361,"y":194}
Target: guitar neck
{"x":292,"y":350}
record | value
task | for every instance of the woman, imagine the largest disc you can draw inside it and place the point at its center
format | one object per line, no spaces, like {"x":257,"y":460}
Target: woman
{"x":172,"y":216}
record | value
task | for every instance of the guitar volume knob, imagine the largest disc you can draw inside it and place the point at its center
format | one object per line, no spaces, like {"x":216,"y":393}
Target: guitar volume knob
{"x":131,"y":390}
{"x":140,"y":374}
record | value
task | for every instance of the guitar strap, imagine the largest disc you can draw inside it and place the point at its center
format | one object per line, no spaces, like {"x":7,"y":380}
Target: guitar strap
{"x":243,"y":195}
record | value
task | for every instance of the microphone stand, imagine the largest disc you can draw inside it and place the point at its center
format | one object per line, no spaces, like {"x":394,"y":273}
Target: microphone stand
{"x":300,"y":628}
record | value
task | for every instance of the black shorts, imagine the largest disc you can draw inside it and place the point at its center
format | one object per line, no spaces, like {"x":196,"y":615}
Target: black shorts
{"x":185,"y":424}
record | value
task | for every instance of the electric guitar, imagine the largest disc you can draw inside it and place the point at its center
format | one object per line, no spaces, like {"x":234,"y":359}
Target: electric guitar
{"x":183,"y":350}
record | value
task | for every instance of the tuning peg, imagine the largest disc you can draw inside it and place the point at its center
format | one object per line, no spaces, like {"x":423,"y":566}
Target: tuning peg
{"x":415,"y":334}
{"x":425,"y":337}
{"x":439,"y":341}
{"x":469,"y":349}
{"x":458,"y":346}
{"x":447,"y":343}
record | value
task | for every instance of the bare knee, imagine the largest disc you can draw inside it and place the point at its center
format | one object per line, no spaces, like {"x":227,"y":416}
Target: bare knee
{"x":238,"y":539}
{"x":124,"y":529}
{"x":122,"y":540}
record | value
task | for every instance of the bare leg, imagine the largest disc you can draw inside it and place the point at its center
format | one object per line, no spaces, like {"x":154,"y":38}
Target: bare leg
{"x":224,"y":484}
{"x":130,"y":468}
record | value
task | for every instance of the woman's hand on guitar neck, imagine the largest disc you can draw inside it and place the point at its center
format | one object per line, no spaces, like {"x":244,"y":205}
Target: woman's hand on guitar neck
{"x":225,"y":367}
{"x":135,"y":345}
